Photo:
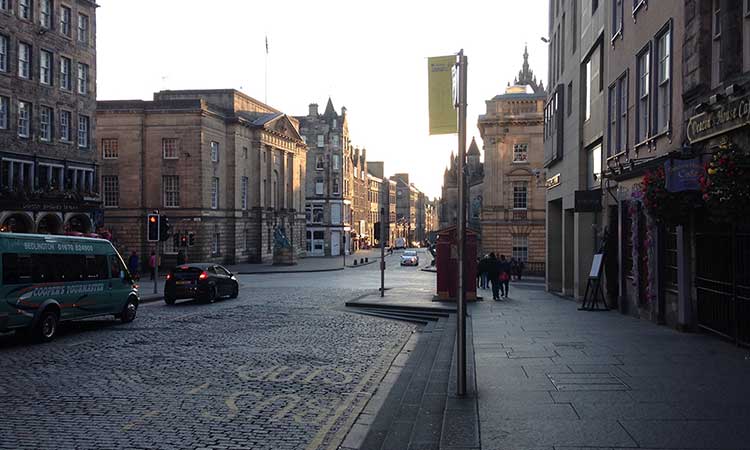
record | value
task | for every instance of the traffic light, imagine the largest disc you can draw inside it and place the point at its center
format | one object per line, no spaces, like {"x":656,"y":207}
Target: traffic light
{"x":183,"y":240}
{"x":165,"y":229}
{"x":152,"y":225}
{"x":376,"y":231}
{"x":176,"y":240}
{"x":191,"y":239}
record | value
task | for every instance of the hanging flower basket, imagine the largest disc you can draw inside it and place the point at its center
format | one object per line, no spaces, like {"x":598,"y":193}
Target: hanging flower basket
{"x":726,"y":185}
{"x":669,"y":208}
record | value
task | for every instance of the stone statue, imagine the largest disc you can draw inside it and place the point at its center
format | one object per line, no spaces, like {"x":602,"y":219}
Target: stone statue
{"x":279,"y":238}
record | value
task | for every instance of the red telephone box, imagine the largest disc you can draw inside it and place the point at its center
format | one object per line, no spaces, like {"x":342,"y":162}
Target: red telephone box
{"x":446,"y":261}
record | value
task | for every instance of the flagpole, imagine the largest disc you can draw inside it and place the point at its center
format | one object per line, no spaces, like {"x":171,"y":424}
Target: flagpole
{"x":461,"y":229}
{"x":265,"y":94}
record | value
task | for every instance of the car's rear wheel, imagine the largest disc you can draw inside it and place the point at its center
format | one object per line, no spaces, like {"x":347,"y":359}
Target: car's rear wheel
{"x":169,"y":300}
{"x":211,"y":294}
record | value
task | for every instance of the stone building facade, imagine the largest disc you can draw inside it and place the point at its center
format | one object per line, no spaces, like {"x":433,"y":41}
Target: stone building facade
{"x":48,"y":170}
{"x":643,"y":128}
{"x":447,"y":212}
{"x":705,"y":258}
{"x":360,"y":203}
{"x":329,"y":189}
{"x":573,"y":137}
{"x":224,"y":168}
{"x":513,"y":192}
{"x":406,"y":207}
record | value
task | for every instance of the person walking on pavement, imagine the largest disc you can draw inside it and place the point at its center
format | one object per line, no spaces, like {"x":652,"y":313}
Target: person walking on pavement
{"x":492,"y":267}
{"x":504,"y":270}
{"x":513,"y":267}
{"x":133,"y":264}
{"x":483,"y":272}
{"x":521,"y":266}
{"x":152,"y":265}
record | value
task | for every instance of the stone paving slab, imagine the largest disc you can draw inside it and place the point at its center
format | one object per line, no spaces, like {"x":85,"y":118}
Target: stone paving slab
{"x":551,"y":377}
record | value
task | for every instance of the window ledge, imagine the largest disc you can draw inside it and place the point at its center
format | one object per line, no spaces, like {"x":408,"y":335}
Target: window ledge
{"x":616,"y":36}
{"x":641,"y":4}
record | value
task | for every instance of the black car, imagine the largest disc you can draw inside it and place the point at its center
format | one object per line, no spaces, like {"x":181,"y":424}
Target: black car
{"x":203,"y":281}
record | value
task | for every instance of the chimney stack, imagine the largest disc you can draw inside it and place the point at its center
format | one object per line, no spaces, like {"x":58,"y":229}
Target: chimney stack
{"x":313,"y":109}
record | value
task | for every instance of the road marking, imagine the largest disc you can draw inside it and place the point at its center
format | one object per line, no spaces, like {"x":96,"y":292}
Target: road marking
{"x":317,"y":441}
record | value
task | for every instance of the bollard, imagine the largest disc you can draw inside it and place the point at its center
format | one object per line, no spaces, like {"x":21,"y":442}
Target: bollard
{"x":355,"y":262}
{"x":367,"y":260}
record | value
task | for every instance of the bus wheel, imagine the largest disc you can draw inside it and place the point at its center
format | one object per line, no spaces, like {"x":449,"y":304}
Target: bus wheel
{"x":46,"y":329}
{"x":129,"y":311}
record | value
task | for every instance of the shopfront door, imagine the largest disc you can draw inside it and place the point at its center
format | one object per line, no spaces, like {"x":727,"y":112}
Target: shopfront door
{"x":335,"y":243}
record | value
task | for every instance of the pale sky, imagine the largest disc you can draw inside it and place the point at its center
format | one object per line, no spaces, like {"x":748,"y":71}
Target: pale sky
{"x":367,"y":56}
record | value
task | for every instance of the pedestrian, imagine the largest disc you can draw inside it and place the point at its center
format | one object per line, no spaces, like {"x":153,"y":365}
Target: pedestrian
{"x":479,"y":273}
{"x":133,"y":264}
{"x":152,"y":265}
{"x":492,"y":274}
{"x":485,"y":278}
{"x":521,"y":266}
{"x":513,"y":267}
{"x":504,"y":270}
{"x":181,"y":258}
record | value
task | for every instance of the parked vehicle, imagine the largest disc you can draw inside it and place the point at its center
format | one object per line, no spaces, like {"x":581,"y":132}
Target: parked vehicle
{"x":204,"y":281}
{"x":48,"y":279}
{"x":410,"y":258}
{"x":399,"y":243}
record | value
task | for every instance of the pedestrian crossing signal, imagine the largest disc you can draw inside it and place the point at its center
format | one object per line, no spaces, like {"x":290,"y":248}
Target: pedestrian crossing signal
{"x":152,"y":225}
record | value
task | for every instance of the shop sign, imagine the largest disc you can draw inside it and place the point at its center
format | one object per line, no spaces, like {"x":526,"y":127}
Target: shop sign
{"x":588,"y":201}
{"x":683,"y":174}
{"x":553,"y":181}
{"x":727,"y":117}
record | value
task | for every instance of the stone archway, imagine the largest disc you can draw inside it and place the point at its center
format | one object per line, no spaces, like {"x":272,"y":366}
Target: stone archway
{"x":50,"y":224}
{"x":79,"y":223}
{"x":17,"y":223}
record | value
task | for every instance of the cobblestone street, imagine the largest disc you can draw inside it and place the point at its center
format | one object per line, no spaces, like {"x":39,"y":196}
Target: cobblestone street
{"x":284,"y":366}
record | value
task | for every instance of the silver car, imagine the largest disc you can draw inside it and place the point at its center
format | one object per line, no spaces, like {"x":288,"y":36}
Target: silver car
{"x":409,"y":258}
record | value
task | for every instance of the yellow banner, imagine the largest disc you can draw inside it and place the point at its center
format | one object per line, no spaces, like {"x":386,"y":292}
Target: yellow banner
{"x":443,"y":113}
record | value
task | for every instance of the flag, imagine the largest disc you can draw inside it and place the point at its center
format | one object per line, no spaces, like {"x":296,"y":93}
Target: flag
{"x":443,"y":113}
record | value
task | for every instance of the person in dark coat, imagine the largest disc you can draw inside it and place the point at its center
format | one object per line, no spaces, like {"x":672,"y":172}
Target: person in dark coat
{"x":491,"y":265}
{"x":504,"y":271}
{"x":133,"y":264}
{"x":521,"y":266}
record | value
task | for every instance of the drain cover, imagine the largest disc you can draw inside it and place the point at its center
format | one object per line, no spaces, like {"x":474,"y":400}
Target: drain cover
{"x":587,"y":382}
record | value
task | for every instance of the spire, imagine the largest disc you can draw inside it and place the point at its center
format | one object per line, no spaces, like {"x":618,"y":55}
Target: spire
{"x":526,"y":75}
{"x":329,"y":108}
{"x":473,"y":149}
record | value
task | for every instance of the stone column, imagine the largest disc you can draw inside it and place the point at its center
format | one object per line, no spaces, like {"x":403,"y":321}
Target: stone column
{"x":568,"y":245}
{"x":553,"y":266}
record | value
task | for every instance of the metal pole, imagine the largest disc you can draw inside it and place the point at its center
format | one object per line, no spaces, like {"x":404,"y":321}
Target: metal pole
{"x":156,"y":269}
{"x":382,"y":252}
{"x":461,"y":229}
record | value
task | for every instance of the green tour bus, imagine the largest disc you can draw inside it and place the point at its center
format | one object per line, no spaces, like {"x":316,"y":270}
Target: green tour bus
{"x":47,"y":279}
